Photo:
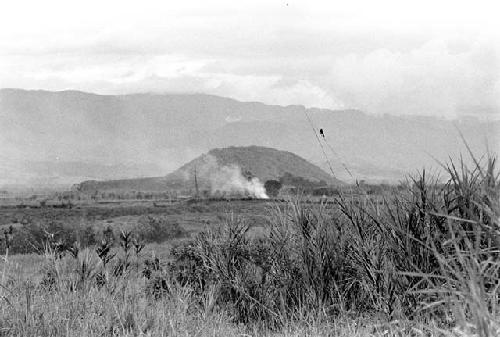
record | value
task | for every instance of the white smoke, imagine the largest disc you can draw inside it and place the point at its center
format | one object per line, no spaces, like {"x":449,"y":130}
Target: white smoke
{"x":228,"y":179}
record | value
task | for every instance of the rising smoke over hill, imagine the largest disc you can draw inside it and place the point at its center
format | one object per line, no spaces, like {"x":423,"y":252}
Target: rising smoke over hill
{"x":262,"y":162}
{"x":233,"y":170}
{"x":217,"y":178}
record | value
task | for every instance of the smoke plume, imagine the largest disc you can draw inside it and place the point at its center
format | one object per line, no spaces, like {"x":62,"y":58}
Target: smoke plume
{"x":228,"y":179}
{"x":225,"y":179}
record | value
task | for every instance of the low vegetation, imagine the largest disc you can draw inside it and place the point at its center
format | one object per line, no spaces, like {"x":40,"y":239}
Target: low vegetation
{"x":424,"y":262}
{"x":33,"y":237}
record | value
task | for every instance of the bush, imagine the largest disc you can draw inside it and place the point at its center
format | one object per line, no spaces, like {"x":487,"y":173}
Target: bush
{"x":156,"y":229}
{"x":268,"y":279}
{"x":35,"y":237}
{"x":272,"y":187}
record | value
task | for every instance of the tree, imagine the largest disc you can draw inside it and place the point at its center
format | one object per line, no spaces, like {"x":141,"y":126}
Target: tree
{"x":272,"y":187}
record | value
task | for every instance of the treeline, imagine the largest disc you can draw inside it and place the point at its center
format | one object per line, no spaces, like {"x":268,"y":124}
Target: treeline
{"x":292,"y":185}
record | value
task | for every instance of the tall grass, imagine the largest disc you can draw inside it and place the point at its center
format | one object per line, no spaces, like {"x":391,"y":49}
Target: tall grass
{"x":428,"y":252}
{"x":469,"y":266}
{"x":424,"y":261}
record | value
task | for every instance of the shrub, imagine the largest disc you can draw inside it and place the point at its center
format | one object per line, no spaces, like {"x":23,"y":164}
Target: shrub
{"x":156,"y":229}
{"x":34,"y":237}
{"x":272,"y":187}
{"x":267,"y":279}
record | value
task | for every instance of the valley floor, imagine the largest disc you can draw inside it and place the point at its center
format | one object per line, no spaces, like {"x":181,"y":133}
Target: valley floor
{"x":424,"y":262}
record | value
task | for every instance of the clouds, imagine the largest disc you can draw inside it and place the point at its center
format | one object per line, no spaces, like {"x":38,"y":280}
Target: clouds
{"x":432,"y":79}
{"x":382,"y":58}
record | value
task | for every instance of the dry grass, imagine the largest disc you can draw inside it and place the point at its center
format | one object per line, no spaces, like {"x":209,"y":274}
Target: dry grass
{"x":122,"y":309}
{"x":425,"y":263}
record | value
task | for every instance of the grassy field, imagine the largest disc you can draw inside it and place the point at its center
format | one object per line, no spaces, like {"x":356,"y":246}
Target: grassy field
{"x":424,"y":261}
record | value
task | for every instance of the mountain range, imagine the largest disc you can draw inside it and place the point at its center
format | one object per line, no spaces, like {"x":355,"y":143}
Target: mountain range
{"x":65,"y":137}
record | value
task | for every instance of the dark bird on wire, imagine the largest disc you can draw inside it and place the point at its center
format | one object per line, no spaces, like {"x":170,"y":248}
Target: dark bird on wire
{"x":321,"y":133}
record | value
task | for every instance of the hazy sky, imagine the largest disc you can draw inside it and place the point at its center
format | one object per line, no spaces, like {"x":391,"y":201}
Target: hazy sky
{"x":400,"y":57}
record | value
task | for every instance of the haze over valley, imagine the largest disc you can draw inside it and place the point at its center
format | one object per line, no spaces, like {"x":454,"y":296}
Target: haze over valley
{"x":66,"y":137}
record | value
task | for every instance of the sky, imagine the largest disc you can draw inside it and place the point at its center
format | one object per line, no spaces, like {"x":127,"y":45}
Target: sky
{"x":439,"y":58}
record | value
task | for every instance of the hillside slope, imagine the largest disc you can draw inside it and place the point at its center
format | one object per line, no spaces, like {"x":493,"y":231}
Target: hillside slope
{"x":220,"y":166}
{"x":262,"y":162}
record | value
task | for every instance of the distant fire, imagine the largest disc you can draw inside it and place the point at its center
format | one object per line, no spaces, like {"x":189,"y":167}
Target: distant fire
{"x":230,"y":180}
{"x":227,"y":179}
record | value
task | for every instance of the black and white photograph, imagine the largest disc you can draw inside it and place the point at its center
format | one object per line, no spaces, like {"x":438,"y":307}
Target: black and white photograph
{"x":277,"y":168}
